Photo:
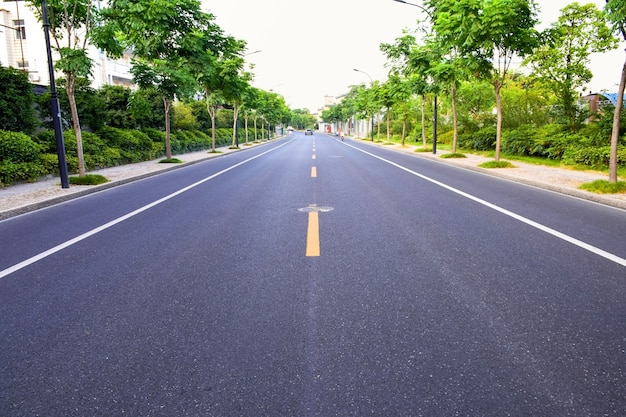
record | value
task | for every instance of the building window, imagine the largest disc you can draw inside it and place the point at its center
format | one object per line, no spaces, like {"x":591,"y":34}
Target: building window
{"x":22,"y":65}
{"x":20,"y":29}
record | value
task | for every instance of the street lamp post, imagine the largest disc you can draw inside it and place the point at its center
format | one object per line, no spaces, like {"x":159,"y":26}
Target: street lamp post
{"x":54,"y":103}
{"x":372,"y":116}
{"x":435,"y":110}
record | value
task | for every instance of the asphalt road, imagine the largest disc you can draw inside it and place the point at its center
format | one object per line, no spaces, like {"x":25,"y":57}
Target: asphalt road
{"x":313,"y":277}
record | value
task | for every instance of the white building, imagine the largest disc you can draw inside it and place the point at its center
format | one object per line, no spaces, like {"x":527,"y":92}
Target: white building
{"x":23,"y":46}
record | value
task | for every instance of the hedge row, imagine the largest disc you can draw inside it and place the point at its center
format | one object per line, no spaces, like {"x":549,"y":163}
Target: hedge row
{"x":24,"y":158}
{"x":551,"y":142}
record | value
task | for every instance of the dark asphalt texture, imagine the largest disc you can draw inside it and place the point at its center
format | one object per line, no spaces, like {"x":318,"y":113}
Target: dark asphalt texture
{"x":422,"y":303}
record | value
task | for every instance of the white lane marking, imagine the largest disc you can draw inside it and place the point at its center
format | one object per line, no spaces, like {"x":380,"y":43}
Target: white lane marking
{"x":112,"y":223}
{"x":556,"y":233}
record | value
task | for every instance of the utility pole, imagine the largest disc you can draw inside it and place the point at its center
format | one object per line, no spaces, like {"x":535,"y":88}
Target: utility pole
{"x":55,"y":108}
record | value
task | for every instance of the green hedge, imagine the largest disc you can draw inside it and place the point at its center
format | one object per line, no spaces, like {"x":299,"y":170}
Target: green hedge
{"x":17,"y":147}
{"x":23,"y":158}
{"x":19,"y":158}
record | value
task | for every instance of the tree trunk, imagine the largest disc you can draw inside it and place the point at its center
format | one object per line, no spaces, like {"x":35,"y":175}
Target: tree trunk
{"x":615,"y":131}
{"x":211,"y":110}
{"x":404,"y":128}
{"x":424,"y":121}
{"x":255,"y":133}
{"x":168,"y":148}
{"x":235,"y":116}
{"x":388,"y":124}
{"x":455,"y":120}
{"x":70,"y":83}
{"x":245,"y":118}
{"x":213,"y":130}
{"x":497,"y":87}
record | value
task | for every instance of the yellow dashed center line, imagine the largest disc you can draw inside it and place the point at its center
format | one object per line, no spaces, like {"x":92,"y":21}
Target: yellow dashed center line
{"x":313,"y":156}
{"x":313,"y":172}
{"x":313,"y":235}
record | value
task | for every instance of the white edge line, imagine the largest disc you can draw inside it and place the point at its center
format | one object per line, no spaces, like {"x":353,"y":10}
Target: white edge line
{"x":546,"y":229}
{"x":112,"y":223}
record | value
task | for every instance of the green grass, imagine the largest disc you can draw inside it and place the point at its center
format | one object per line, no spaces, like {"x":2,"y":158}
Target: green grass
{"x":215,"y":151}
{"x":604,"y":187}
{"x":89,"y":179}
{"x":497,"y":164}
{"x":233,"y":147}
{"x":171,"y":161}
{"x":453,"y":155}
{"x":422,"y":149}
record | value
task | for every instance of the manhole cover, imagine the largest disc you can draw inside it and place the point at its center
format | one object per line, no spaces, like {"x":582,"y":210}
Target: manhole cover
{"x":313,"y":208}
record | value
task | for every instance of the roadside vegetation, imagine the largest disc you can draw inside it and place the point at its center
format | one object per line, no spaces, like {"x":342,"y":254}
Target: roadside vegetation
{"x":193,"y":91}
{"x":460,"y":56}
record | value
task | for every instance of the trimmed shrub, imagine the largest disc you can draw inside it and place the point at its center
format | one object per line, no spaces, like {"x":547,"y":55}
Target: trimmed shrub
{"x":47,"y":141}
{"x":17,"y":147}
{"x":133,"y":145}
{"x":11,"y":172}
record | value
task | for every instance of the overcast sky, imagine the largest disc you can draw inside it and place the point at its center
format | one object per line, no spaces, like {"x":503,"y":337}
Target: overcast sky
{"x":309,"y":48}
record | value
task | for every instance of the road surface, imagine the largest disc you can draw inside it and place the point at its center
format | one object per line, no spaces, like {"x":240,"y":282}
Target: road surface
{"x":313,"y":277}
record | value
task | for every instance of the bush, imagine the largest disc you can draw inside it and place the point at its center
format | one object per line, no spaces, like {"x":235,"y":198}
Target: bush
{"x":17,"y":147}
{"x":96,"y":152}
{"x":593,"y":157}
{"x":11,"y":172}
{"x":521,"y":141}
{"x":47,"y":141}
{"x":555,"y":140}
{"x":133,"y":145}
{"x":483,"y":140}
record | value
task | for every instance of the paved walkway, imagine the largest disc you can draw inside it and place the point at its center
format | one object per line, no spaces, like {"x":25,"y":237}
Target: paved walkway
{"x":25,"y":197}
{"x":22,"y":198}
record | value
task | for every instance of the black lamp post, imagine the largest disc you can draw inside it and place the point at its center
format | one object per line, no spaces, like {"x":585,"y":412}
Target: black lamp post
{"x":372,"y":116}
{"x":54,"y":103}
{"x":435,"y":110}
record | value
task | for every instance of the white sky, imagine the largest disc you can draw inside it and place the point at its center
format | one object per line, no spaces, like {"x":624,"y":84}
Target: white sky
{"x":309,"y":48}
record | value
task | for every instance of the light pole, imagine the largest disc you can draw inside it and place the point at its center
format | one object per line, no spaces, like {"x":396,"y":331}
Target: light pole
{"x":54,"y":103}
{"x":372,"y":115}
{"x":416,"y":5}
{"x":253,"y":52}
{"x":435,"y":110}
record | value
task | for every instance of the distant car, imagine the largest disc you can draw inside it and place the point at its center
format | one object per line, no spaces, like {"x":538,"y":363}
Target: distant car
{"x":308,"y":132}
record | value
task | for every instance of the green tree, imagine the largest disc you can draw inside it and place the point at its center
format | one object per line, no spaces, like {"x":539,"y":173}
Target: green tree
{"x":420,"y":65}
{"x":210,"y":65}
{"x":163,"y":37}
{"x":71,"y":25}
{"x":170,"y":80}
{"x":16,"y":101}
{"x":488,"y":34}
{"x":563,"y":56}
{"x":616,"y":14}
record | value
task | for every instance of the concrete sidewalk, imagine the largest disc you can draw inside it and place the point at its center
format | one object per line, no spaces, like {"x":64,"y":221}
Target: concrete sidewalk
{"x":22,"y":198}
{"x":561,"y":180}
